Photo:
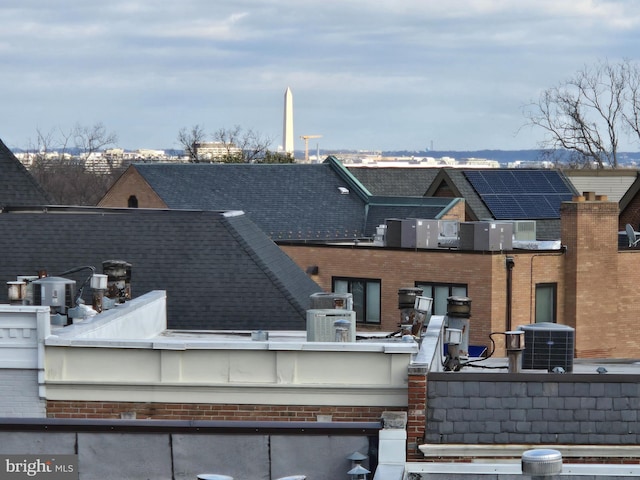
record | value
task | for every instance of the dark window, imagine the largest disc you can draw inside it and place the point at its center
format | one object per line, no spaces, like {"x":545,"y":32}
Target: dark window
{"x":546,"y":294}
{"x":366,"y":297}
{"x":132,"y":202}
{"x":440,"y":292}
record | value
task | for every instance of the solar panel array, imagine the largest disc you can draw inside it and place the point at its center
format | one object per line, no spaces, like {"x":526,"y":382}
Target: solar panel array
{"x":520,"y":194}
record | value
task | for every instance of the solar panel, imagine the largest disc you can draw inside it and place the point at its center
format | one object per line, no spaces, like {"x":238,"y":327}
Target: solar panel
{"x":520,"y":194}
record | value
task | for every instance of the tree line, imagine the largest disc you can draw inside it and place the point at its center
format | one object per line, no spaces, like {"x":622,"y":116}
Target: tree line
{"x":62,"y":161}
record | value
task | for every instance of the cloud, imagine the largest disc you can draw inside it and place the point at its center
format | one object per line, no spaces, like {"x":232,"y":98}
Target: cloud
{"x":457,"y":70}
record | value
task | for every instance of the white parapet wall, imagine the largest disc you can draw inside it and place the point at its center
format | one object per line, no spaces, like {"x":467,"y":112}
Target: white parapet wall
{"x":22,"y":333}
{"x":109,"y":360}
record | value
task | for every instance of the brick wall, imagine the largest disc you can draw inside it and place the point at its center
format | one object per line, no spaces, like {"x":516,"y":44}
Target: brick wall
{"x":19,"y":394}
{"x":416,"y":410}
{"x":483,"y":272}
{"x":190,"y":411}
{"x":631,"y":214}
{"x":131,"y":183}
{"x":589,"y":230}
{"x":533,"y":409}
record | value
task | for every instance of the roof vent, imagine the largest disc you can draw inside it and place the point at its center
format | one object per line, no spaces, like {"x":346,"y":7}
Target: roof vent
{"x":343,"y":190}
{"x":541,"y":462}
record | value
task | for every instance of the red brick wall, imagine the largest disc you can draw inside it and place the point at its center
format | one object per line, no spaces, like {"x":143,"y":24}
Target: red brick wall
{"x":190,"y":411}
{"x":631,"y":214}
{"x":131,"y":183}
{"x":416,"y":413}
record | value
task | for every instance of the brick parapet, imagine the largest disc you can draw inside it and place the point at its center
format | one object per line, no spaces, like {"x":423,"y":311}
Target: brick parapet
{"x":190,"y":411}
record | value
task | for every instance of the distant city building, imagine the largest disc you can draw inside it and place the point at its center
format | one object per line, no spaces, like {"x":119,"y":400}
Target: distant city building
{"x":216,"y":150}
{"x":375,"y":159}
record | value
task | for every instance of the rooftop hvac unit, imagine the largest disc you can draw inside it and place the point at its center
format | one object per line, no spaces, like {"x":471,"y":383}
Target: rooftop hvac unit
{"x":486,"y":236}
{"x":408,"y":232}
{"x":333,"y":300}
{"x":327,"y":325}
{"x":524,"y":230}
{"x":393,"y":233}
{"x":427,"y":233}
{"x":449,"y":228}
{"x":55,"y":292}
{"x":547,"y":346}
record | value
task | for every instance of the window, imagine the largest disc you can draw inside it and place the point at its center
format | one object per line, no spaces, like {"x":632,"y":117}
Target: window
{"x":546,"y":294}
{"x":366,"y":297}
{"x":440,"y":292}
{"x":132,"y":202}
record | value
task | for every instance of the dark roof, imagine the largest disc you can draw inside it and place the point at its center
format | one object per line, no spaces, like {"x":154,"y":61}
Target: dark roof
{"x":383,"y":208}
{"x":17,"y":186}
{"x":288,"y":201}
{"x":547,"y":228}
{"x":219,"y":269}
{"x":316,"y":202}
{"x":456,"y":181}
{"x":394,"y":181}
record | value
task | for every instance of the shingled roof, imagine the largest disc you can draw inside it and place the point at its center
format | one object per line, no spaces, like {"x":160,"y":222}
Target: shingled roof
{"x":308,"y":202}
{"x":17,"y":186}
{"x":395,"y":181}
{"x":219,"y":269}
{"x":457,"y":182}
{"x":454,"y":183}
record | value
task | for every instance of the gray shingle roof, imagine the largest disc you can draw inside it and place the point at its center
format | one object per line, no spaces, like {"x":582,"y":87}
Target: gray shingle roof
{"x":288,"y":201}
{"x":17,"y":186}
{"x":315,"y":202}
{"x":546,"y":229}
{"x":220,"y":270}
{"x":410,"y":181}
{"x":392,"y":181}
{"x":382,"y":208}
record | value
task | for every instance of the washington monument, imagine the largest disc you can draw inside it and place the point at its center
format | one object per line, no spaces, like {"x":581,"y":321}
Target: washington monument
{"x":287,"y":135}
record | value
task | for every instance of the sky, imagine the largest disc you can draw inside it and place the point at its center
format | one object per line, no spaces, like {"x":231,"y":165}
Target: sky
{"x":365,"y":74}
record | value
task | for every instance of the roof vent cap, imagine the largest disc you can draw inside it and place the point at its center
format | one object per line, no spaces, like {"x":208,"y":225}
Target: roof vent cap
{"x":541,"y":462}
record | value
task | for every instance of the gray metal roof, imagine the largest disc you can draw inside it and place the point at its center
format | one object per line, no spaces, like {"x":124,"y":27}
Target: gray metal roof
{"x":17,"y":186}
{"x":220,"y":270}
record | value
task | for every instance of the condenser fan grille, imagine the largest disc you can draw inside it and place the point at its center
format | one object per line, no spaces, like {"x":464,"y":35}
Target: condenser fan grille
{"x":547,"y":346}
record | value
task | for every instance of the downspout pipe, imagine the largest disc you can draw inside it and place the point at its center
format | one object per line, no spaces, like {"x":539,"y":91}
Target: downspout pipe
{"x":509,"y":263}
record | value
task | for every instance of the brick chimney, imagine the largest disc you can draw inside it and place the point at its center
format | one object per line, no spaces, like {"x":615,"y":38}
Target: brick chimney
{"x":589,"y":230}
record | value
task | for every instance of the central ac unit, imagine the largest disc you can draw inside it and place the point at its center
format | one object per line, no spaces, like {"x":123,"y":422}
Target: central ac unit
{"x":333,"y":300}
{"x":524,"y":230}
{"x":322,"y":326}
{"x":547,"y":346}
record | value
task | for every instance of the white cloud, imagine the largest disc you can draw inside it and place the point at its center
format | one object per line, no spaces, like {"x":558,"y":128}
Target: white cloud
{"x":420,"y":68}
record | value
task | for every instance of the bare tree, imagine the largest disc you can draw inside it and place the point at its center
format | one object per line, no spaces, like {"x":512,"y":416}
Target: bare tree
{"x":586,"y":114}
{"x":632,"y":114}
{"x":242,"y":146}
{"x":92,"y":139}
{"x":231,"y":145}
{"x":64,"y":176}
{"x":189,"y":139}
